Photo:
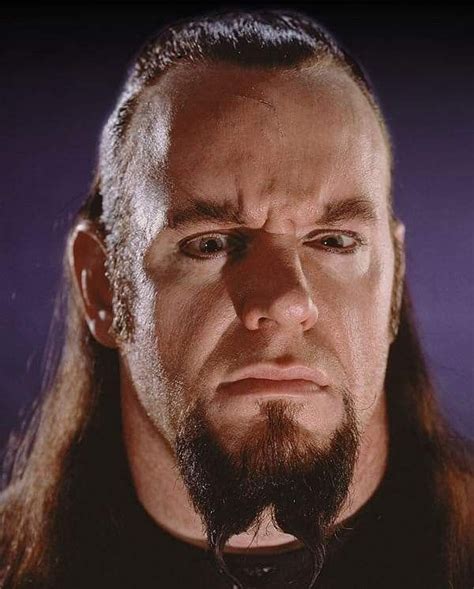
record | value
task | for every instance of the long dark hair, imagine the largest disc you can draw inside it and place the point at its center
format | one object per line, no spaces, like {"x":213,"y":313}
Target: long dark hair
{"x":68,"y":488}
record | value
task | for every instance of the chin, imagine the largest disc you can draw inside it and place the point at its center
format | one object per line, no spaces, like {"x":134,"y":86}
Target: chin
{"x":278,"y":435}
{"x":246,"y":419}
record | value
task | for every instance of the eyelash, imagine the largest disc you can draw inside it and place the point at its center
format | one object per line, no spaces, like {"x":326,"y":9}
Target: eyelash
{"x":360,"y":241}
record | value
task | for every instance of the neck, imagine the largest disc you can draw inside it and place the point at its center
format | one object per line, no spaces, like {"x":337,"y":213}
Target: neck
{"x":164,"y":496}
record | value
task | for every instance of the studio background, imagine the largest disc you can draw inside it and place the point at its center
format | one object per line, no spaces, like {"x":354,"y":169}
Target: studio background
{"x":61,"y":73}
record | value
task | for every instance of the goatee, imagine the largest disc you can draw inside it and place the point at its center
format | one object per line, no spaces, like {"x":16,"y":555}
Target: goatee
{"x":279,"y":467}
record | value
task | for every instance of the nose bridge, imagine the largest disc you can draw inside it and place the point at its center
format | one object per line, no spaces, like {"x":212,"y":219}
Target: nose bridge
{"x":281,"y":261}
{"x":276,"y":288}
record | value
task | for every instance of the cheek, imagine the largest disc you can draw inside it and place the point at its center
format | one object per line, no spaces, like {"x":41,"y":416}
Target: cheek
{"x":176,"y":329}
{"x":187,"y":318}
{"x":354,"y":301}
{"x":365,"y":316}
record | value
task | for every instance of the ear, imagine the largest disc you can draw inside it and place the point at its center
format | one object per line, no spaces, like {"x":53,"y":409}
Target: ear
{"x":398,"y":236}
{"x":399,"y":245}
{"x":399,"y":231}
{"x":87,"y":255}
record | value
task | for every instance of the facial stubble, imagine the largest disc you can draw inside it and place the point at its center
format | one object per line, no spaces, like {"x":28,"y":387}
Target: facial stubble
{"x":278,"y":467}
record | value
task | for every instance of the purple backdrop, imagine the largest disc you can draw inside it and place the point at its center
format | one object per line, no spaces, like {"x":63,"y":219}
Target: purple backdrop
{"x":61,"y":74}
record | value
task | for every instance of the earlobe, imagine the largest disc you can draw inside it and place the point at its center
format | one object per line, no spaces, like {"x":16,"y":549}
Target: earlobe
{"x":87,"y":257}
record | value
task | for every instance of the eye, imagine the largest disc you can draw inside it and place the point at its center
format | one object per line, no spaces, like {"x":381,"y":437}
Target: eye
{"x":342,"y":243}
{"x":211,"y":245}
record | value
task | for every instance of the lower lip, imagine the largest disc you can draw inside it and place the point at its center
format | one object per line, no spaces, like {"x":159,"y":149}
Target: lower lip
{"x":267,"y":387}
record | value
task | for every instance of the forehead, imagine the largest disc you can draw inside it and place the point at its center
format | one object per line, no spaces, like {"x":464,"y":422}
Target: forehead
{"x":226,"y":131}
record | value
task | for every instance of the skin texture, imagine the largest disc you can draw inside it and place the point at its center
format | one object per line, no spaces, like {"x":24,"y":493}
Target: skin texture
{"x":280,"y":146}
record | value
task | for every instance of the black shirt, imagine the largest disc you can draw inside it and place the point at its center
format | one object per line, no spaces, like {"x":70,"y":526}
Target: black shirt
{"x":383,"y":546}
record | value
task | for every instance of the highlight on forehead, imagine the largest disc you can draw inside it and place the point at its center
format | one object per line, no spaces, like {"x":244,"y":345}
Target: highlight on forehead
{"x":227,"y":213}
{"x":269,"y":39}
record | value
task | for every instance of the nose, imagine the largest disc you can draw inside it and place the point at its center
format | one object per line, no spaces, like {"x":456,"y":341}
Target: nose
{"x":275,"y":290}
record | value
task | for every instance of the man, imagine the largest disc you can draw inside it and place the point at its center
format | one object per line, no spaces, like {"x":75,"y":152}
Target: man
{"x":241,"y":399}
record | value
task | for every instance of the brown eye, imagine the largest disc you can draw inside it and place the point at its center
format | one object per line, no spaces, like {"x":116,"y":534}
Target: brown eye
{"x":210,"y":246}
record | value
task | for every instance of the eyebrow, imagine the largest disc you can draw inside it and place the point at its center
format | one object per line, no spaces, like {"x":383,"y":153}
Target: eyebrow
{"x":360,"y":208}
{"x":227,"y":213}
{"x":205,"y":210}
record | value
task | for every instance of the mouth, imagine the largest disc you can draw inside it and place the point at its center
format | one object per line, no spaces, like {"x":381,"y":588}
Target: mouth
{"x":264,"y":387}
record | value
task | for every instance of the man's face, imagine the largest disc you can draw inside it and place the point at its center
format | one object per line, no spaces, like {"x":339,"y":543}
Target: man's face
{"x":259,"y":234}
{"x":284,"y":286}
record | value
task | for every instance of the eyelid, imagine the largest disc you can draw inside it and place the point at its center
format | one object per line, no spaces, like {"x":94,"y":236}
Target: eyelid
{"x":332,"y":231}
{"x":210,"y":234}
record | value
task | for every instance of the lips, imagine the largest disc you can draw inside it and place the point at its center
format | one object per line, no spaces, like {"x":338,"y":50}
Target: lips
{"x":271,"y":378}
{"x":269,"y":387}
{"x":277,"y":372}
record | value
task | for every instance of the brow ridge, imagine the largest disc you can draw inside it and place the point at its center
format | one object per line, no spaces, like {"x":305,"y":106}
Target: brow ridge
{"x":227,"y":213}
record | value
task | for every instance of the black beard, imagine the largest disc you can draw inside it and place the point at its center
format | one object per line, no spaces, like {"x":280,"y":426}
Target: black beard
{"x":278,"y":466}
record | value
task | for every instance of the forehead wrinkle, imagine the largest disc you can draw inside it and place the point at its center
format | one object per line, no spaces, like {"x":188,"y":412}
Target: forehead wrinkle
{"x":228,"y":212}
